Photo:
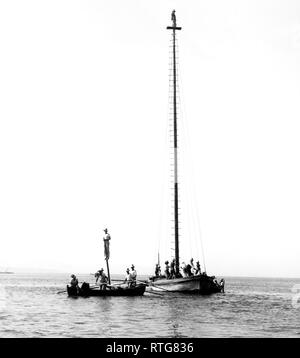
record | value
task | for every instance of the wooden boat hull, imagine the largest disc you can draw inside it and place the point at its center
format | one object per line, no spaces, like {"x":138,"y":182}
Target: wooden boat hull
{"x":194,"y":284}
{"x":86,"y":291}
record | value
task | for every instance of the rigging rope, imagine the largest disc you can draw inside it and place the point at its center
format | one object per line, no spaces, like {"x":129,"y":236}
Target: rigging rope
{"x":190,"y":209}
{"x":189,"y":162}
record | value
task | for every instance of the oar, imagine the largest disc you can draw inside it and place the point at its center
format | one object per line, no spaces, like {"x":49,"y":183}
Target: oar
{"x":104,"y":284}
{"x":61,"y":291}
{"x":151,"y":292}
{"x":147,"y":284}
{"x":154,"y":293}
{"x":143,"y":282}
{"x":64,"y":291}
{"x":160,"y":288}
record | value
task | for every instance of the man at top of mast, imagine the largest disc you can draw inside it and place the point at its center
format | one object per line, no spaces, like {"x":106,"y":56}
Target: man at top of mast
{"x":173,"y":17}
{"x":106,"y":240}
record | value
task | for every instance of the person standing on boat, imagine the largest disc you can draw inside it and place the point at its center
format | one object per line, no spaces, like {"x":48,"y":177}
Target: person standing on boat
{"x":128,"y":278}
{"x":188,"y":269}
{"x":100,"y":275}
{"x":198,"y":268}
{"x":157,"y":270}
{"x":167,"y":269}
{"x":106,"y":240}
{"x":184,"y":270}
{"x":133,"y":274}
{"x":97,"y":275}
{"x":193,"y":269}
{"x":172,"y":269}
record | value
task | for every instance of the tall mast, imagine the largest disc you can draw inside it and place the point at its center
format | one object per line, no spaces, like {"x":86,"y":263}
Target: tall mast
{"x":174,"y":28}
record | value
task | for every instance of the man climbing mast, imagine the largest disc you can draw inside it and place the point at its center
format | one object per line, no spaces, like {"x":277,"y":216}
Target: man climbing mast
{"x":106,"y":240}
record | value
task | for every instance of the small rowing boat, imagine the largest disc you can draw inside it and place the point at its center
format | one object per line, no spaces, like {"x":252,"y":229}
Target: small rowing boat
{"x":86,"y":291}
{"x":105,"y":288}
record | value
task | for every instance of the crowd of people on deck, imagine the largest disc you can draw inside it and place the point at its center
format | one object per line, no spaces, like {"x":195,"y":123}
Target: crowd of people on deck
{"x":186,"y":270}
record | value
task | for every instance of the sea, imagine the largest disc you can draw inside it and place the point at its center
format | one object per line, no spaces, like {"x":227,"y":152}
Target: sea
{"x":36,"y":305}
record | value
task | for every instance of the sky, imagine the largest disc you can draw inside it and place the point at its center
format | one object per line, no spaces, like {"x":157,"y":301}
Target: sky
{"x":84,"y":145}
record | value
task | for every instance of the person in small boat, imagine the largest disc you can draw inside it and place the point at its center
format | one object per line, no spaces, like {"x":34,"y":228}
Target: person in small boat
{"x":97,"y":275}
{"x":100,"y":275}
{"x":128,"y":278}
{"x":167,"y":270}
{"x":157,"y":270}
{"x":133,"y":274}
{"x":74,"y":282}
{"x":172,"y":269}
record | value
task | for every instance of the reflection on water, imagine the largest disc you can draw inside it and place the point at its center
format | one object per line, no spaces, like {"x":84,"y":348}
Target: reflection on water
{"x":249,"y":308}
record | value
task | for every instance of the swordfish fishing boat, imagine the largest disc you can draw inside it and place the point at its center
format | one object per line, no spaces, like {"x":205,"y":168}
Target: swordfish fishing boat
{"x":195,"y":282}
{"x":198,"y":282}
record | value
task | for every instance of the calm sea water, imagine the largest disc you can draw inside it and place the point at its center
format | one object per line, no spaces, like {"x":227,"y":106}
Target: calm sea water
{"x":251,"y":307}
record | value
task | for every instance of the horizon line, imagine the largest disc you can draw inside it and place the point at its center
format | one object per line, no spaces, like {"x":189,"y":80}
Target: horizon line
{"x":12,"y":272}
